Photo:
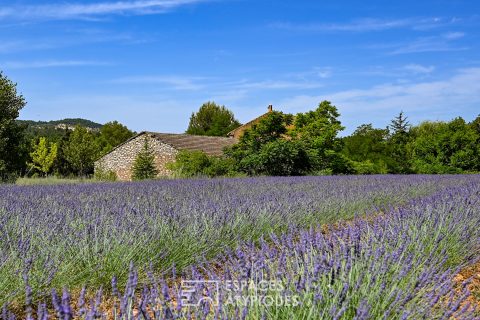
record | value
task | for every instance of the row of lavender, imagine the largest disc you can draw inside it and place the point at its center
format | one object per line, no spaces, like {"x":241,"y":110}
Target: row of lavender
{"x":398,"y":266}
{"x":359,"y":271}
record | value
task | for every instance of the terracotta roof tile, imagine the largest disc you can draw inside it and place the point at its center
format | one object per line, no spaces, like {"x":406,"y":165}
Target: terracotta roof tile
{"x":210,"y":145}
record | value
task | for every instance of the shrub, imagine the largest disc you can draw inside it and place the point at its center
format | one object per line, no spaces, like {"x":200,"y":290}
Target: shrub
{"x":105,"y":175}
{"x":197,"y":163}
{"x":369,"y":167}
{"x":144,"y":166}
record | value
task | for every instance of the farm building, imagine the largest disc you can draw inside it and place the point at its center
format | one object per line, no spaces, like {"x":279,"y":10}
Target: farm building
{"x":164,"y":145}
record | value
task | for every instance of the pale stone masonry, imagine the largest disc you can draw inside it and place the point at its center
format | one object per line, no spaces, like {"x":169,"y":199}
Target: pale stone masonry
{"x":165,"y":147}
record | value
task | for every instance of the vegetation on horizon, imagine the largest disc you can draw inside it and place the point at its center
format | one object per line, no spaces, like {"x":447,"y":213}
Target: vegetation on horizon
{"x":279,"y":144}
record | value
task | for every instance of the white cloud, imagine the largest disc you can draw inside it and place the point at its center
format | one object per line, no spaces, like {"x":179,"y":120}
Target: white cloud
{"x":299,"y":81}
{"x":443,"y":42}
{"x":363,"y":25}
{"x":462,"y":89}
{"x":454,"y":35}
{"x":51,"y":64}
{"x":173,"y":82}
{"x":91,"y":10}
{"x":278,"y":85}
{"x":419,"y":69}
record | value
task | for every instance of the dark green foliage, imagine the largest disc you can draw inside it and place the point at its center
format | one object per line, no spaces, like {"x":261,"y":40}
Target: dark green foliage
{"x":197,"y":163}
{"x":319,"y":130}
{"x":62,"y":167}
{"x":81,"y":151}
{"x":212,"y":120}
{"x":11,"y":134}
{"x":397,"y":144}
{"x":270,"y":148}
{"x":111,"y":135}
{"x":445,"y":147}
{"x":72,"y":155}
{"x":69,"y":122}
{"x":367,"y":147}
{"x":144,"y":165}
{"x":282,"y":158}
{"x":431,"y":147}
{"x":266,"y":149}
{"x":476,"y":125}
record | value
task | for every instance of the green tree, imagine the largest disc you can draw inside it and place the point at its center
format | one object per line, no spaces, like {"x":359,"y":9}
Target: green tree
{"x":81,"y":151}
{"x":367,"y":148}
{"x":43,"y":155}
{"x":398,"y":140}
{"x":144,"y":165}
{"x":319,"y":129}
{"x":11,"y":134}
{"x":444,"y":147}
{"x":259,"y":146}
{"x":212,"y":120}
{"x":111,"y":135}
{"x":475,"y":124}
{"x":283,"y":158}
{"x":62,"y":166}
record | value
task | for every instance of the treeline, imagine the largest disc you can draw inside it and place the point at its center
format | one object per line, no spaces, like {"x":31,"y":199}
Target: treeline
{"x":278,"y":144}
{"x":309,"y":143}
{"x":39,"y":149}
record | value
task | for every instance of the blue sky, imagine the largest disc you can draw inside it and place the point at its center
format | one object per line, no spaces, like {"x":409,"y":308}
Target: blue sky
{"x":149,"y":64}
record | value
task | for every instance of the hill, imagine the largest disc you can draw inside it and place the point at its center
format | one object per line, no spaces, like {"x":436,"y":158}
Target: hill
{"x":68,"y":123}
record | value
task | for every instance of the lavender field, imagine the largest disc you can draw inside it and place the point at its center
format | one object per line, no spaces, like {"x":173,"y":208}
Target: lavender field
{"x":347,"y":247}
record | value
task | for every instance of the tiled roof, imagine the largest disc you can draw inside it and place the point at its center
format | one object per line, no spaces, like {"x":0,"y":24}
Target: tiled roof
{"x":210,"y":145}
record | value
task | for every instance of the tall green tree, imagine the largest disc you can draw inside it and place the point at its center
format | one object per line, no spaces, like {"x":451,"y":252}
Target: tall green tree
{"x":111,"y":135}
{"x":444,"y":147}
{"x":144,"y":165}
{"x":212,"y":120}
{"x":43,"y":155}
{"x":398,"y":140}
{"x":367,"y":148}
{"x":261,"y":150}
{"x":319,"y":129}
{"x":81,"y":151}
{"x":475,"y":124}
{"x":11,"y":134}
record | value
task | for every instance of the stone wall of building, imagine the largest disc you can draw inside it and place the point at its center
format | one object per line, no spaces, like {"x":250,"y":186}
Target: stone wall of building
{"x":121,"y":159}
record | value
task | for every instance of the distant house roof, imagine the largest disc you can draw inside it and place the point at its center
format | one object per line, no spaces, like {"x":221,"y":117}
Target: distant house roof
{"x":210,"y":145}
{"x":239,"y":131}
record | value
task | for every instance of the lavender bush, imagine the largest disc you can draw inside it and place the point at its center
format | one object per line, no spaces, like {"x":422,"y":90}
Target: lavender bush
{"x":398,"y":264}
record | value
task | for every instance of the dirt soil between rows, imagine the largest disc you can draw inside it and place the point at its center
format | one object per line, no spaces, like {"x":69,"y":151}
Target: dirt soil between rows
{"x":471,"y":272}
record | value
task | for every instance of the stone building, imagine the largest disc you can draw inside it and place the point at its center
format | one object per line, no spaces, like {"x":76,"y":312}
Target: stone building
{"x":165,"y":147}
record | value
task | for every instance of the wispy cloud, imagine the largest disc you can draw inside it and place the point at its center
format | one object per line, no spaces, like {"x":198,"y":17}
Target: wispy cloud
{"x":295,"y":81}
{"x":454,"y":35}
{"x":173,"y":82}
{"x":51,"y":64}
{"x":437,"y":43}
{"x":419,"y":69}
{"x":277,"y":85}
{"x":64,"y":11}
{"x":364,"y":25}
{"x":461,"y":89}
{"x":69,"y":38}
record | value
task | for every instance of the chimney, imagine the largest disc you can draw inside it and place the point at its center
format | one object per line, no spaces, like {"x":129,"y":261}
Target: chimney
{"x":270,"y":108}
